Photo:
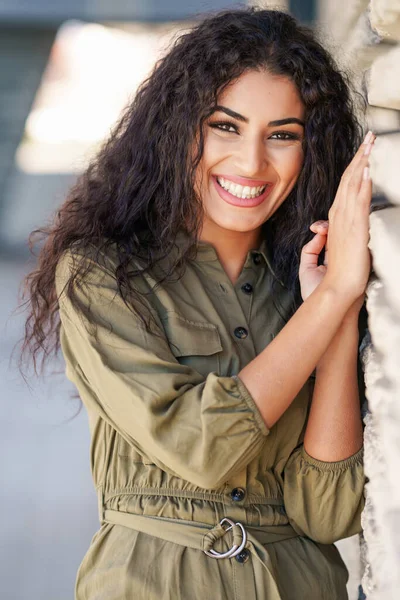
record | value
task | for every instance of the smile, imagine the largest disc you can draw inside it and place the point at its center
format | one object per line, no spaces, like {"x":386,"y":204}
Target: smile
{"x":245,"y":196}
{"x":241,"y":191}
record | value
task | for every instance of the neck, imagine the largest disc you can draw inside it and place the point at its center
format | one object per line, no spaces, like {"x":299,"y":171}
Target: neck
{"x":231,"y":247}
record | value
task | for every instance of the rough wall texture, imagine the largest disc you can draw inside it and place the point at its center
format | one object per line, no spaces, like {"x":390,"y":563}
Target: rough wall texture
{"x":381,"y":518}
{"x":366,"y":37}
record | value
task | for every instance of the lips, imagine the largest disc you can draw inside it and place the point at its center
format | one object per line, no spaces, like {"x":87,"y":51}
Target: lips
{"x":241,"y":191}
{"x":243,"y":181}
{"x":242,"y":202}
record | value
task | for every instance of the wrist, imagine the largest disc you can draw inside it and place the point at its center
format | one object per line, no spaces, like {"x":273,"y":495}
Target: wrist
{"x":343,"y":301}
{"x":344,"y":291}
{"x":347,"y":332}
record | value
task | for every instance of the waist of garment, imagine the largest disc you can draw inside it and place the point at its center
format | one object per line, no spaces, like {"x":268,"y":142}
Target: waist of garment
{"x":196,"y":506}
{"x":228,"y":539}
{"x":201,"y":536}
{"x":195,"y":533}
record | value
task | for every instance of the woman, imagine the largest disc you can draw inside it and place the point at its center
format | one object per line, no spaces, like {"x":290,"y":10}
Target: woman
{"x":212,"y":342}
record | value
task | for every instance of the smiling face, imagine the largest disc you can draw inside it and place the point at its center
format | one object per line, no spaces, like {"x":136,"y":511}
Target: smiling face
{"x":252,"y":152}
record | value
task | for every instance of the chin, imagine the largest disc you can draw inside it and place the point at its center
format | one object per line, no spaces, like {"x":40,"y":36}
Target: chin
{"x":239,"y":224}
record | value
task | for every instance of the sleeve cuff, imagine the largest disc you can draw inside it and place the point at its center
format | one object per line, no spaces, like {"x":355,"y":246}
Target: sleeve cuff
{"x":340,"y":465}
{"x":247,"y":397}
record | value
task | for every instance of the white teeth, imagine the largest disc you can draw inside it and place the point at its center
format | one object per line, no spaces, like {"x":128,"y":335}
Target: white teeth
{"x":241,"y":191}
{"x":246,"y":191}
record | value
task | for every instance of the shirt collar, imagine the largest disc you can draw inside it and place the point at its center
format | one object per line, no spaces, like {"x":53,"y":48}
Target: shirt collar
{"x":207,"y":253}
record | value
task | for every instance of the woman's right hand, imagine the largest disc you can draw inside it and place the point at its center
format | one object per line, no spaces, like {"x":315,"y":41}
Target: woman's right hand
{"x":349,"y":263}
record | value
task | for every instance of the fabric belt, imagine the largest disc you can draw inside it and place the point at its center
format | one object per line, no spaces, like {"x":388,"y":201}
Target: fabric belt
{"x":200,"y":536}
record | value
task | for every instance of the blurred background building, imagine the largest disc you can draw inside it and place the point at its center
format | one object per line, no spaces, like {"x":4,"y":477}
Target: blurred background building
{"x":67,"y":69}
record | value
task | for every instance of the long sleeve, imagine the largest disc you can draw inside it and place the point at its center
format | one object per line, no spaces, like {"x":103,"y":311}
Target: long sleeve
{"x":324,"y":500}
{"x":203,"y":429}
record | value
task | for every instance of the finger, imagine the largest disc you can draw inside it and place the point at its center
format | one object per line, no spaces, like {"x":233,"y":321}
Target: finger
{"x":354,"y":169}
{"x":363,"y":150}
{"x":360,"y":186}
{"x":360,"y":160}
{"x":365,"y":147}
{"x":311,"y":251}
{"x":361,"y":157}
{"x":365,"y":192}
{"x":325,"y":263}
{"x":353,"y":189}
{"x":352,"y":182}
{"x":319,"y":226}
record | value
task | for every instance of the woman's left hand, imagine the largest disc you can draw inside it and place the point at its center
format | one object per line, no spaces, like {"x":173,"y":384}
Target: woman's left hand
{"x":310,"y":273}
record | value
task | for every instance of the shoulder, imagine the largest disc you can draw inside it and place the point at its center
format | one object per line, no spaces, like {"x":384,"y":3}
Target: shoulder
{"x":92,"y":265}
{"x":87,"y":283}
{"x":88,"y":258}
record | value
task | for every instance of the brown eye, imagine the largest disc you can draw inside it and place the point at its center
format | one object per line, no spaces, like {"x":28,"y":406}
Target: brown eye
{"x":285,"y":136}
{"x":224,"y":126}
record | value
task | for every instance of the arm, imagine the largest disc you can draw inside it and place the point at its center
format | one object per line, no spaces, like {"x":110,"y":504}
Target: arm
{"x":335,"y":410}
{"x":324,"y":478}
{"x":329,"y":291}
{"x":277,"y":374}
{"x":167,"y":411}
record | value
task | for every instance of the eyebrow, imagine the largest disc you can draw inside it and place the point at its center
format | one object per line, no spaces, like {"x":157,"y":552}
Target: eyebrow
{"x":239,"y":117}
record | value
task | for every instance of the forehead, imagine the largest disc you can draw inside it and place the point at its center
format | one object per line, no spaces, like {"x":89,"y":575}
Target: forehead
{"x":259,"y":93}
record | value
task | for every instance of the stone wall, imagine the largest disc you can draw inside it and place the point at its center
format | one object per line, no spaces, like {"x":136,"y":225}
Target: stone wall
{"x":368,"y":35}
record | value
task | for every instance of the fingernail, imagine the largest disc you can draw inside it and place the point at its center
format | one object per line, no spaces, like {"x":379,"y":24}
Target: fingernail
{"x":367,"y":137}
{"x":366,"y":173}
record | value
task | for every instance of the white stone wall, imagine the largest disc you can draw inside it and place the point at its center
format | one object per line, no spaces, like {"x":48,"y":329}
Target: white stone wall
{"x":367,"y":33}
{"x":381,"y":518}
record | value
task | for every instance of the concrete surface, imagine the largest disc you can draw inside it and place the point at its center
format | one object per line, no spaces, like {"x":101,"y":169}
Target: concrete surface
{"x":47,"y":502}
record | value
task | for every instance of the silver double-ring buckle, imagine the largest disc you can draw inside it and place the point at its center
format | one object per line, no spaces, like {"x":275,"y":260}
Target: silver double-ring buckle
{"x":235,"y":548}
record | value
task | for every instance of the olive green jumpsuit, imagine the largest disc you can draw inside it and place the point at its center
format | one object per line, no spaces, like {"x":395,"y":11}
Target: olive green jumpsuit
{"x":178,"y":444}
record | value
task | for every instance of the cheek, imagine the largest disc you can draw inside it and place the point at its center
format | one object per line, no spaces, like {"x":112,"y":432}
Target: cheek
{"x":215,"y":150}
{"x":290,"y":163}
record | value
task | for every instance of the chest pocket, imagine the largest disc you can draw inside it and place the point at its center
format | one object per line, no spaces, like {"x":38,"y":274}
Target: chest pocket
{"x":194,"y":343}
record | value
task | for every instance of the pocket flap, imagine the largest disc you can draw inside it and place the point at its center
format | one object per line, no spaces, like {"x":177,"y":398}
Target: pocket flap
{"x":191,"y":338}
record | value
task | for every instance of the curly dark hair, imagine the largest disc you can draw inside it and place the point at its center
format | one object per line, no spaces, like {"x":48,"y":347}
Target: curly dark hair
{"x":138,"y":191}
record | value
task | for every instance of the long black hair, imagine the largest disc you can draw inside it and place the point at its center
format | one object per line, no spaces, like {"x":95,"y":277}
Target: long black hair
{"x":139,"y":189}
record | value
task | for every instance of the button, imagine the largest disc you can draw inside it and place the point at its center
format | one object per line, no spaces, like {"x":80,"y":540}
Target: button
{"x":238,"y":494}
{"x":247,"y":288}
{"x":257,"y":259}
{"x":243,"y":556}
{"x":241,"y":333}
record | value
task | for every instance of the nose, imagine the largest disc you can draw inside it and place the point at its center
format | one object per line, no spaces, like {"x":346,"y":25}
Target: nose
{"x":252,"y":157}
